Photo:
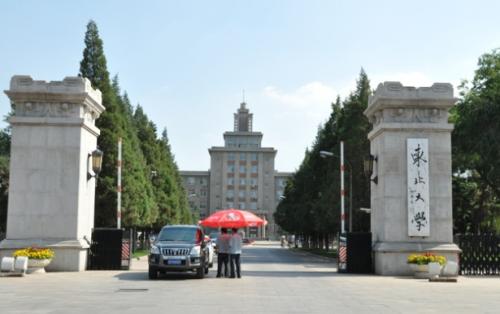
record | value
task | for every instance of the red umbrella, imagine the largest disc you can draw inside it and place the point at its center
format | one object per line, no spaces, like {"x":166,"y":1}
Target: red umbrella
{"x":232,"y":218}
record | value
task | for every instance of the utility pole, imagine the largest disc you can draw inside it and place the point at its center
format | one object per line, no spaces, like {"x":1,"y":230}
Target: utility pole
{"x":119,"y":186}
{"x":342,"y":190}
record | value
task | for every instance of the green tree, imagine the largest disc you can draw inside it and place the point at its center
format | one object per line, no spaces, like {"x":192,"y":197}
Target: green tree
{"x":4,"y":177}
{"x":311,"y":203}
{"x":138,"y":206}
{"x":476,"y":153}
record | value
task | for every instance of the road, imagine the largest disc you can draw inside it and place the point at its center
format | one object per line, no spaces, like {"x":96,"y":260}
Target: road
{"x":275,"y":280}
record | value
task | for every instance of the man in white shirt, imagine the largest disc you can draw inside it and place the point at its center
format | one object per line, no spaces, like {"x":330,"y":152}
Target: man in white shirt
{"x":234,"y":253}
{"x":223,"y":252}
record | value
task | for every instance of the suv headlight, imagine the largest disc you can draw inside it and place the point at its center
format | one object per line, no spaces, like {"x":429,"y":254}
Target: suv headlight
{"x":154,"y":250}
{"x":195,"y":251}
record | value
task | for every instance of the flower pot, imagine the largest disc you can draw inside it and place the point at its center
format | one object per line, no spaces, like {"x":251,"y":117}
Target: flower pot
{"x":420,"y":271}
{"x":37,"y":266}
{"x":450,"y":269}
{"x":434,"y":270}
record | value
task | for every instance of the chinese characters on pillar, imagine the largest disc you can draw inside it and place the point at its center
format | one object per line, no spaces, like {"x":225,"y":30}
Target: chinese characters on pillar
{"x":418,"y":187}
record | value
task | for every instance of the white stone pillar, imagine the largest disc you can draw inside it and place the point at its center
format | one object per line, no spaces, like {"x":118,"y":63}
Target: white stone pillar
{"x":406,"y":119}
{"x":51,"y":201}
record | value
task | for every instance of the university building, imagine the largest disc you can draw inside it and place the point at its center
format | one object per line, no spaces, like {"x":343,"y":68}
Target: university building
{"x":241,"y":176}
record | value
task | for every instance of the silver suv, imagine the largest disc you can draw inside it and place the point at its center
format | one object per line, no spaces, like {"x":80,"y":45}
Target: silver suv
{"x":179,"y":248}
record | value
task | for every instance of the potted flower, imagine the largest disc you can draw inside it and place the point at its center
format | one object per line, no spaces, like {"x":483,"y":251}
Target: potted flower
{"x":38,"y":258}
{"x":426,"y":265}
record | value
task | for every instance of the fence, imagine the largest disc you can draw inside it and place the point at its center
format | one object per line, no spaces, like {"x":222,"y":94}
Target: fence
{"x":110,"y":249}
{"x":355,"y":253}
{"x":480,"y":254}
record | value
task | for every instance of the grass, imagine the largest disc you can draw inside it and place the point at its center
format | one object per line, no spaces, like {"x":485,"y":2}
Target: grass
{"x":322,"y":252}
{"x":140,"y":253}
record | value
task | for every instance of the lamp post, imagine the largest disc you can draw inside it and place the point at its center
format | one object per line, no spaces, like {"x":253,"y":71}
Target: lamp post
{"x":326,"y":154}
{"x":96,"y":156}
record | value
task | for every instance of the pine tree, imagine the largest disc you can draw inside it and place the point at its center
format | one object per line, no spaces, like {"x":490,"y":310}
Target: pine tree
{"x":311,"y":204}
{"x":114,"y":123}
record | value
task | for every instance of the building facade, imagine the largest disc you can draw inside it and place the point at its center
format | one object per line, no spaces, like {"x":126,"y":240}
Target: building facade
{"x":241,"y":176}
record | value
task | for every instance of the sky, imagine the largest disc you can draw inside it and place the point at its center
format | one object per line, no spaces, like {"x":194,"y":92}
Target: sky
{"x":187,"y":62}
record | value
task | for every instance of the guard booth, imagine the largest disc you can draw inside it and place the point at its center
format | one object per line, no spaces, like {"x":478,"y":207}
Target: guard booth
{"x":355,"y":253}
{"x":110,"y":249}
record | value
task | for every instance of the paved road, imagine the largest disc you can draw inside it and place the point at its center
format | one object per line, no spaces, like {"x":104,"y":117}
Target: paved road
{"x":275,"y":280}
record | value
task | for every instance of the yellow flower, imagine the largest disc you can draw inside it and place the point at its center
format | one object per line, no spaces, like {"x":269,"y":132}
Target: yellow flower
{"x":426,"y":258}
{"x":35,"y":253}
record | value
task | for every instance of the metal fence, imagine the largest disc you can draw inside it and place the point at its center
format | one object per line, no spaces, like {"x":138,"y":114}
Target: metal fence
{"x":110,"y":249}
{"x":355,"y":253}
{"x":480,"y":254}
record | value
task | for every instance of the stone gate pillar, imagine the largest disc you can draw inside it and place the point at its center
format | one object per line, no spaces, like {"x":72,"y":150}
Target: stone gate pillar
{"x":411,"y":205}
{"x":51,"y":201}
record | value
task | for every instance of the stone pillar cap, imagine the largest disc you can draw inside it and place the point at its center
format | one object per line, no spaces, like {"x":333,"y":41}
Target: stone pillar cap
{"x":24,"y":88}
{"x":394,"y":94}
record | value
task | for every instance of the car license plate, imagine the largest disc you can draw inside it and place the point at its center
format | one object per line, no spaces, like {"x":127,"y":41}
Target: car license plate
{"x":176,"y":257}
{"x":174,"y":261}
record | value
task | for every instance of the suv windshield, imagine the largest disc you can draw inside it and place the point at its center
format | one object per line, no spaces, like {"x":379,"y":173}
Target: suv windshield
{"x":190,"y":235}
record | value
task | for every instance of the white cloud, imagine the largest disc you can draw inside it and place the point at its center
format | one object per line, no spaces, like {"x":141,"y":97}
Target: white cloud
{"x":308,"y":95}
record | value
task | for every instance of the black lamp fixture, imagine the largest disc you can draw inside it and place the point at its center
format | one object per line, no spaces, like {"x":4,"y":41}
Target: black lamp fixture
{"x":96,"y":156}
{"x":368,"y":168}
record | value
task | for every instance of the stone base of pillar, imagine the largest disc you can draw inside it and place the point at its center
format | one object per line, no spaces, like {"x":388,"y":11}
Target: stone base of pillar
{"x":70,"y":254}
{"x":390,"y":257}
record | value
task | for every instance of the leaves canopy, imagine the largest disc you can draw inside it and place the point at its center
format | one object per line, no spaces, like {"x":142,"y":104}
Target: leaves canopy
{"x":311,"y":203}
{"x":147,"y":200}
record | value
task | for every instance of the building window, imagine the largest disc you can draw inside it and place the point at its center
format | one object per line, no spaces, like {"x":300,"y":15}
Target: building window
{"x":191,"y":181}
{"x":243,"y":181}
{"x":230,"y":193}
{"x":230,"y":204}
{"x":254,"y":169}
{"x":253,"y":156}
{"x":241,"y":194}
{"x":243,"y":156}
{"x":253,"y":182}
{"x":230,"y":181}
{"x":230,"y":156}
{"x":203,"y":181}
{"x":230,"y":168}
{"x":242,"y":169}
{"x":241,"y":206}
{"x":253,"y":205}
{"x":253,"y":194}
{"x":203,"y":192}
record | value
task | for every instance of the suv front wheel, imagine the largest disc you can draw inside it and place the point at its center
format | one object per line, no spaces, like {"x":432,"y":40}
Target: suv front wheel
{"x":200,"y":272}
{"x":152,"y":273}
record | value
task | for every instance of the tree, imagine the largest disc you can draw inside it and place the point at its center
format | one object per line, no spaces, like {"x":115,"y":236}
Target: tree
{"x":476,"y":153}
{"x":4,"y":177}
{"x":116,"y":122}
{"x":311,"y":203}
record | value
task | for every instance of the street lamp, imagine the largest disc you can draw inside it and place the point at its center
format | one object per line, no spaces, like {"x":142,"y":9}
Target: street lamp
{"x":96,"y":156}
{"x":325,"y":154}
{"x":368,"y":168}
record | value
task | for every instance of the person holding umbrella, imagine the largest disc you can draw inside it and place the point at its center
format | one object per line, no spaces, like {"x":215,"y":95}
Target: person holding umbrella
{"x":222,"y":252}
{"x":235,"y":253}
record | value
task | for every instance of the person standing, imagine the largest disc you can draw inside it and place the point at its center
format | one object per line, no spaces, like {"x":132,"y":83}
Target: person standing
{"x":223,"y":252}
{"x":235,"y":253}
